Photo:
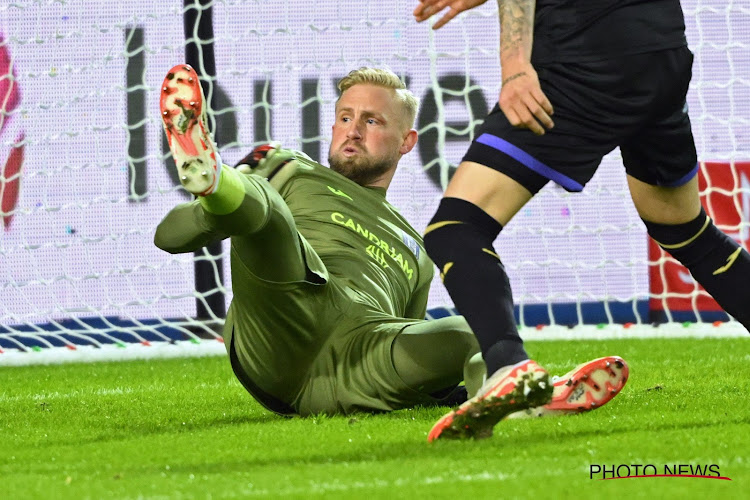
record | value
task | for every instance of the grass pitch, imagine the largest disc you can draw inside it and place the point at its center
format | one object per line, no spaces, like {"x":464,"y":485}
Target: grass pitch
{"x":185,"y":428}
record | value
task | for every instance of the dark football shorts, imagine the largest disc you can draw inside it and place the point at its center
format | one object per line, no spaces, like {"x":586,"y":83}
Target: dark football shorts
{"x":636,"y":102}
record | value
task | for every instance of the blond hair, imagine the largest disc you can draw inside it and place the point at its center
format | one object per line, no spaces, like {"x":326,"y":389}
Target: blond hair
{"x":386,"y":79}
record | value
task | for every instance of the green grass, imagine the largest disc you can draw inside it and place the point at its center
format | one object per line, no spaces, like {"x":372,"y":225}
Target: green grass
{"x":186,"y":429}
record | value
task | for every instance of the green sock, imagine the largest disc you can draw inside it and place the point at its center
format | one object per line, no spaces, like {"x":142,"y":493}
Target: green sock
{"x":228,"y":195}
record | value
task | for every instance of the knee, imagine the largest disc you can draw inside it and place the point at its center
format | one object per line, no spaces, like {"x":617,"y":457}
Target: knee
{"x":458,"y":328}
{"x":688,"y":238}
{"x":166,"y":238}
{"x":436,"y":237}
{"x":456,"y":227}
{"x":456,"y":324}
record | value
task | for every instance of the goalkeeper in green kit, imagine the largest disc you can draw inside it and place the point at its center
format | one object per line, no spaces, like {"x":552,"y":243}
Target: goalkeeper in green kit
{"x":330,"y":282}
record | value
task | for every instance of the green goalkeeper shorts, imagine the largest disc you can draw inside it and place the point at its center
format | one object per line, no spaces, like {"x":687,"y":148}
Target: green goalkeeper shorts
{"x":308,"y":348}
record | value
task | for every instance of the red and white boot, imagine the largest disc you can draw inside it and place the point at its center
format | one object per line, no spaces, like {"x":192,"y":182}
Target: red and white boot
{"x":183,"y":111}
{"x":586,"y":387}
{"x":510,"y":389}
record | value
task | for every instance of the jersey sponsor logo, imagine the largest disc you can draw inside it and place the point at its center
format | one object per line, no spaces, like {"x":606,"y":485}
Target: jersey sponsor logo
{"x":411,"y":243}
{"x":339,"y":192}
{"x":379,"y":248}
{"x":376,"y":253}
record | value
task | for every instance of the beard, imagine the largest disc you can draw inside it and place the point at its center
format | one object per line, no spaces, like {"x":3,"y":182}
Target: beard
{"x":360,"y":169}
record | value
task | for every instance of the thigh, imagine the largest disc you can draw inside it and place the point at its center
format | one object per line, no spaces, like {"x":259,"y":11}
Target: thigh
{"x":270,"y":248}
{"x":495,"y":192}
{"x":431,"y":355}
{"x":279,"y":329}
{"x":354,"y":372}
{"x":662,"y":150}
{"x":588,"y":125}
{"x":566,"y":154}
{"x":666,"y":205}
{"x":357,"y":372}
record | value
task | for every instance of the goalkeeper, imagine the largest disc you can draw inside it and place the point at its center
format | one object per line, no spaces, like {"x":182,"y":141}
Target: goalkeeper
{"x":330,"y":282}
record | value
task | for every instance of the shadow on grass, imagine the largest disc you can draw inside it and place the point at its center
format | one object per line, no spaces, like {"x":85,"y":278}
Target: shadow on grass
{"x":527,"y":439}
{"x":127,"y":433}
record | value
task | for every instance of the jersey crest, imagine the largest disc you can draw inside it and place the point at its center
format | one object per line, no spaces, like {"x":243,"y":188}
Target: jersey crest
{"x":411,"y":243}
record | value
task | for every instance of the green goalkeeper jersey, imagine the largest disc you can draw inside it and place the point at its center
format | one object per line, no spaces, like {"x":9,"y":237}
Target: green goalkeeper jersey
{"x":297,"y":343}
{"x":360,"y":237}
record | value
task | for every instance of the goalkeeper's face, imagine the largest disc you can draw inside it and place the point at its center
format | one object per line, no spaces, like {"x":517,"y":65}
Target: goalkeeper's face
{"x":369,"y":134}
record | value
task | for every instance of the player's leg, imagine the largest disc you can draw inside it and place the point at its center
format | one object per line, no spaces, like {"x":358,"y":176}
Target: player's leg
{"x":675,"y":219}
{"x":245,"y":207}
{"x":460,"y":241}
{"x":376,"y":362}
{"x":279,"y":315}
{"x":434,"y":355}
{"x":662,"y":167}
{"x":264,"y":236}
{"x":502,"y":170}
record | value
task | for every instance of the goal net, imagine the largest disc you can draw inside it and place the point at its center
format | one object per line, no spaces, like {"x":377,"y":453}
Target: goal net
{"x":86,"y":177}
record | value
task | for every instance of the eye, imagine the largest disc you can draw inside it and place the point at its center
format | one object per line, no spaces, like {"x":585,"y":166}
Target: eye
{"x":372,"y":121}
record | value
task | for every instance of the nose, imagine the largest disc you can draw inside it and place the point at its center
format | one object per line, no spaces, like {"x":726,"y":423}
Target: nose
{"x":353,"y":131}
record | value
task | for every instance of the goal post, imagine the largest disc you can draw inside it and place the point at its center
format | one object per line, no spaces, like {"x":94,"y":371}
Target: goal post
{"x":86,"y":175}
{"x":199,"y":53}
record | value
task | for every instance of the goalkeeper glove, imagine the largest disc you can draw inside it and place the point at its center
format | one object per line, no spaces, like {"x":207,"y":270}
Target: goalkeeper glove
{"x":268,"y":158}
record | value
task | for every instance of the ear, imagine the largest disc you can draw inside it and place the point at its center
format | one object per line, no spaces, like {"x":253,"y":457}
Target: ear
{"x":410,"y":140}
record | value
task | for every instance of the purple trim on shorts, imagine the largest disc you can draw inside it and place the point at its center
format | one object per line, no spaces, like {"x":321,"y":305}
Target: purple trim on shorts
{"x":685,"y":179}
{"x":529,"y":161}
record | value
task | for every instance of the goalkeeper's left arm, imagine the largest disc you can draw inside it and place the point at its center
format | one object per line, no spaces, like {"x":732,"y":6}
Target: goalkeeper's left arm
{"x":267,"y":159}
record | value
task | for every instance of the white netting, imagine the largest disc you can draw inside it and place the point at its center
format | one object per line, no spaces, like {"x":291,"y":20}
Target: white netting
{"x":80,"y":80}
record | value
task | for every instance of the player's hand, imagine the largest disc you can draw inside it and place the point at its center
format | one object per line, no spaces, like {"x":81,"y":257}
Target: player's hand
{"x":523,"y":102}
{"x":267,"y":156}
{"x":428,"y":8}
